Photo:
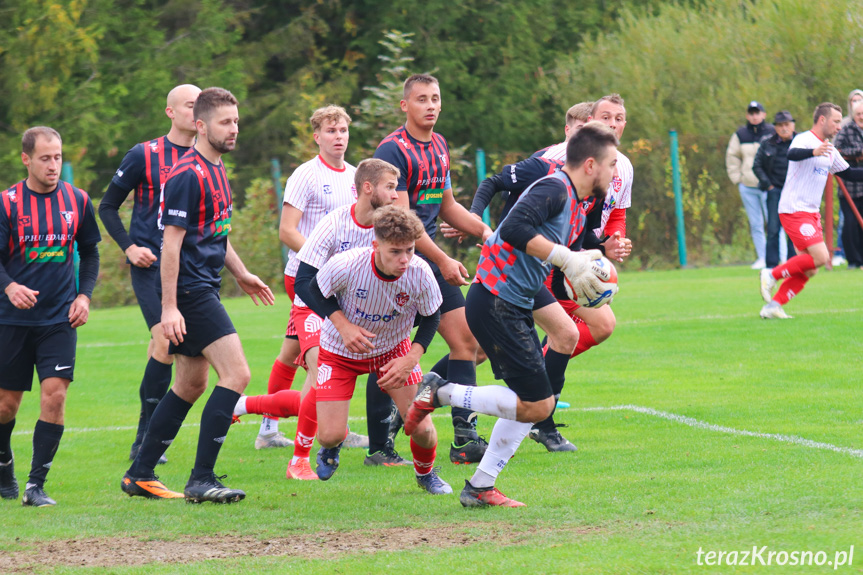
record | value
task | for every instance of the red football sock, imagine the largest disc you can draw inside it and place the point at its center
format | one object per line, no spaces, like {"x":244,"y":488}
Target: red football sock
{"x":285,"y":403}
{"x":790,"y":288}
{"x":585,"y":339}
{"x":797,"y":265}
{"x":307,"y":424}
{"x":423,"y":457}
{"x":281,"y":378}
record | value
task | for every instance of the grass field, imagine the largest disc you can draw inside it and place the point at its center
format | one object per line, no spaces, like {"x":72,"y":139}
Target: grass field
{"x":699,"y":426}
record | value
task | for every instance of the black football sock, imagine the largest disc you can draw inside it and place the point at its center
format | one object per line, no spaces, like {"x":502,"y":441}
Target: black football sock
{"x":463,"y":372}
{"x":379,"y":406}
{"x":215,"y":423}
{"x":6,"y":441}
{"x":442,"y":367}
{"x":163,"y":428}
{"x":157,"y":379}
{"x":555,"y":367}
{"x":46,"y":440}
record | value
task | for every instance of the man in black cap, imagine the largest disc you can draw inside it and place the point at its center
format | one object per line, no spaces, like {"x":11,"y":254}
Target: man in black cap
{"x":770,"y":167}
{"x":739,"y":158}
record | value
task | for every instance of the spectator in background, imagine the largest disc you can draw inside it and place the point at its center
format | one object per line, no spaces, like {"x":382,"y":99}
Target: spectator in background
{"x":770,"y":167}
{"x":854,"y":96}
{"x":739,"y":158}
{"x":849,"y":143}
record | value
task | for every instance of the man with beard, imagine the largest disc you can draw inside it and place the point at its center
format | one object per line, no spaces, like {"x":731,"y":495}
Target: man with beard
{"x":514,"y":264}
{"x":196,"y":219}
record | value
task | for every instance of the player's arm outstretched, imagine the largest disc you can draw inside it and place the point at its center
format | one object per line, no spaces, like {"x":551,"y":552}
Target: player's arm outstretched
{"x":248,"y":282}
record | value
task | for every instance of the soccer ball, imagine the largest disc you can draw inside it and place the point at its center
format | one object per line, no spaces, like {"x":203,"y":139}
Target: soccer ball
{"x":607,"y":274}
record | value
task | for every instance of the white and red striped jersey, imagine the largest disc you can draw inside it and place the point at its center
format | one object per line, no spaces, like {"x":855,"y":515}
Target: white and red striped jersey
{"x":619,"y":194}
{"x":316,"y":189}
{"x":384,"y":307}
{"x":338,"y":232}
{"x":805,"y":180}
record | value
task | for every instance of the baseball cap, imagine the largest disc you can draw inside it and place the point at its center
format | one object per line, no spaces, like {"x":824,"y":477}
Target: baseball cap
{"x":783,"y":116}
{"x":755,"y":106}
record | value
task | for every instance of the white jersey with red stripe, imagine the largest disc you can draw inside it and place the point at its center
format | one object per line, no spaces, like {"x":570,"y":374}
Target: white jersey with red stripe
{"x":385,"y":307}
{"x":805,"y":180}
{"x":316,"y":189}
{"x":338,"y":232}
{"x":619,"y":195}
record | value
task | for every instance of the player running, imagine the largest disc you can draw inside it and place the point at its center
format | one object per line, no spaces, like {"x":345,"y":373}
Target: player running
{"x":811,"y":160}
{"x":345,"y":228}
{"x":371,"y":297}
{"x":41,"y":218}
{"x":514,"y":263}
{"x":422,"y":157}
{"x":144,"y":169}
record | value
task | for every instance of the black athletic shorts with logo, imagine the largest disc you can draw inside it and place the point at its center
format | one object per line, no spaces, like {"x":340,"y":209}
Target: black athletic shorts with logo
{"x":206,"y":321}
{"x":507,"y":335}
{"x":146,"y":283}
{"x":48,"y":348}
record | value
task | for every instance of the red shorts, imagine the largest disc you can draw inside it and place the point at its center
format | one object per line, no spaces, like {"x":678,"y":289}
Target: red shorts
{"x":337,"y":375}
{"x":804,"y":228}
{"x":307,"y":325}
{"x":289,"y":289}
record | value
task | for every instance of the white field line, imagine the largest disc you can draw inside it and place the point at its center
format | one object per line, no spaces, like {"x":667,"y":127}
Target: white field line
{"x":688,"y":421}
{"x":748,"y":314}
{"x":692,"y":422}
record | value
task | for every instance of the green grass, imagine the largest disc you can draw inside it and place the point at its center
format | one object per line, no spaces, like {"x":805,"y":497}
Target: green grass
{"x":642,"y":494}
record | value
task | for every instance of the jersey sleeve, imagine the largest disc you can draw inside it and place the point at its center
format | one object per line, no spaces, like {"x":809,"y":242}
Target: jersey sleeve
{"x":182,"y":197}
{"x":838,"y":164}
{"x":627,"y":173}
{"x":429,"y":298}
{"x":299,"y":188}
{"x":332,"y":278}
{"x":389,"y":152}
{"x":131,"y":170}
{"x":318,"y":247}
{"x":88,"y":231}
{"x":544,"y":200}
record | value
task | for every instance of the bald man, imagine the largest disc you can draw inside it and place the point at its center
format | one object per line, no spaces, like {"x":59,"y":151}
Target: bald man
{"x":144,"y":169}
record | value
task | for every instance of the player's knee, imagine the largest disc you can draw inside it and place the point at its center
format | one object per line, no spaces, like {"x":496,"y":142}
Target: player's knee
{"x":289,"y":352}
{"x":8,"y":410}
{"x":812,"y":272}
{"x":534,"y":411}
{"x":160,"y":351}
{"x":53,"y":404}
{"x":480,"y":355}
{"x":603,"y":328}
{"x":330,"y":437}
{"x":564,"y":340}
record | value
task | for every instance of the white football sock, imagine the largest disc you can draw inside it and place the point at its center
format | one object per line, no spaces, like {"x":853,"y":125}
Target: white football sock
{"x":268,"y":426}
{"x":505,"y":438}
{"x":494,"y":400}
{"x":240,"y":408}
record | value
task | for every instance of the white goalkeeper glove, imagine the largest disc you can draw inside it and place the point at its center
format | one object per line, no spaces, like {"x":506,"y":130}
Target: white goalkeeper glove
{"x":577,"y":269}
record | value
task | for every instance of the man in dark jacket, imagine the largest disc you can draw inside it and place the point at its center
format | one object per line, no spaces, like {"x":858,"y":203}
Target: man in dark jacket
{"x":770,"y":166}
{"x":849,"y":143}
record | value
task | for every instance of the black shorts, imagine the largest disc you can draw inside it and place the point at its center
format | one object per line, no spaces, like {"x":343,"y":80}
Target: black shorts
{"x":146,"y":283}
{"x":453,"y":298}
{"x":48,"y":348}
{"x":206,"y":321}
{"x":507,"y":335}
{"x":543,"y":298}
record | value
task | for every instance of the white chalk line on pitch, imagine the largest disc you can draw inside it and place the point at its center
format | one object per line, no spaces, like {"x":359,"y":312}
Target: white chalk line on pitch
{"x":748,"y":314}
{"x":682,"y":419}
{"x":692,"y":422}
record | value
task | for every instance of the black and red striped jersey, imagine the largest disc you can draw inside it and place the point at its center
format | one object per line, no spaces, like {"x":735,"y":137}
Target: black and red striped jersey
{"x":424,"y":172}
{"x":37,"y":235}
{"x":144,"y":169}
{"x":197,"y":197}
